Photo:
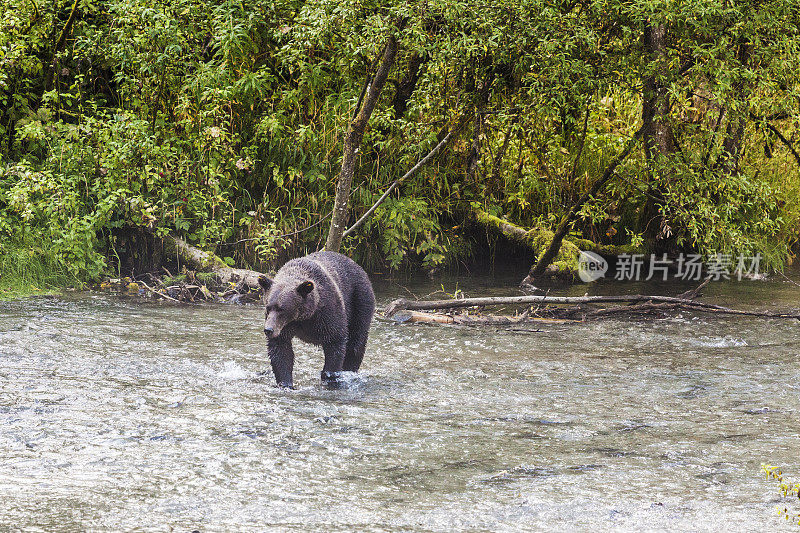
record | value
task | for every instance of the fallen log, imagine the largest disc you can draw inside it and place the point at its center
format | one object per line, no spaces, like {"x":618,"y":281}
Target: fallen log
{"x":416,"y":317}
{"x":202,"y":261}
{"x":417,"y":305}
{"x":643,"y":304}
{"x":535,"y":240}
{"x":565,"y":263}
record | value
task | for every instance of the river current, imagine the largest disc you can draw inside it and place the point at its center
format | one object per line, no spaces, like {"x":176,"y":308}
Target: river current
{"x":129,"y":415}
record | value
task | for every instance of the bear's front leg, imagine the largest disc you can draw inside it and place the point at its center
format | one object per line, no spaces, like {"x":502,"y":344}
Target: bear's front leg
{"x":281,"y":356}
{"x":334,"y":359}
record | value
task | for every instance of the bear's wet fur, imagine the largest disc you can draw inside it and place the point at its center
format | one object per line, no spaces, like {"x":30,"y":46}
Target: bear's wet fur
{"x":325,"y":299}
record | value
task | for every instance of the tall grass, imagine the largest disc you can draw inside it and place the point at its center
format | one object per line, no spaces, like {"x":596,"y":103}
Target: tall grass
{"x":29,"y":266}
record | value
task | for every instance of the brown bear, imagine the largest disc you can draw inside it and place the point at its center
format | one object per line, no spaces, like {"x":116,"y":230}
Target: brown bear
{"x":325,"y":299}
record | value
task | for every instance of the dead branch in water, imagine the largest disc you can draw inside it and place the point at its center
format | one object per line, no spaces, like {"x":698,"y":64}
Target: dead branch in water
{"x":156,"y":293}
{"x":404,"y":304}
{"x":472,"y":320}
{"x":694,"y":293}
{"x":638,"y":304}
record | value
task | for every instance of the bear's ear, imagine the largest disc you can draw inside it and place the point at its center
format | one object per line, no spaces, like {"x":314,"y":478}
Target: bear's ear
{"x":265,"y":282}
{"x":304,"y":288}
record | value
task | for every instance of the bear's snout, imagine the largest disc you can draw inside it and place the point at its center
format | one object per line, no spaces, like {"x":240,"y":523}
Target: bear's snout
{"x":272,"y":326}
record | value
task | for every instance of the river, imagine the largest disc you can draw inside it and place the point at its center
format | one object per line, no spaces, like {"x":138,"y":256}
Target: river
{"x":122,"y":414}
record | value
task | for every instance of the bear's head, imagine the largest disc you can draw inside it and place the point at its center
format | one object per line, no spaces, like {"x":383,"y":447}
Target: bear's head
{"x":286,"y":301}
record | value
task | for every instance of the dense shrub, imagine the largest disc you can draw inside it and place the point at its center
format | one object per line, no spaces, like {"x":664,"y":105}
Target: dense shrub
{"x":223,"y":122}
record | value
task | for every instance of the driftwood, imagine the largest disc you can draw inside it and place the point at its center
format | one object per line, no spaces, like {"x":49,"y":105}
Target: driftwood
{"x":403,"y":317}
{"x":403,"y":304}
{"x":540,"y":307}
{"x":157,"y":293}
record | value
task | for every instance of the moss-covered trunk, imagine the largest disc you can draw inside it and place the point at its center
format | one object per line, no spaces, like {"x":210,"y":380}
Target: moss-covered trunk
{"x":538,"y":240}
{"x":208,"y":262}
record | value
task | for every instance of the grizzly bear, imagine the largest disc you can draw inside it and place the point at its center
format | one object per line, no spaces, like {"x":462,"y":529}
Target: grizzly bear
{"x":325,"y":299}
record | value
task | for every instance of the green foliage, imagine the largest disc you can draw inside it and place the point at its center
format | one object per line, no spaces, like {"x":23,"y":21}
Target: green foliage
{"x":408,"y":226}
{"x":732,"y":214}
{"x":174,"y":280}
{"x":29,"y":265}
{"x":223,"y":123}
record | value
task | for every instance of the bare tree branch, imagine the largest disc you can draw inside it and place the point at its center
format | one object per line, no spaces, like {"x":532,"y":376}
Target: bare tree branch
{"x":397,"y":182}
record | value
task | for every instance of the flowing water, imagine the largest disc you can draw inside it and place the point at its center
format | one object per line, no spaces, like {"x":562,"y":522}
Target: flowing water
{"x":119,"y":415}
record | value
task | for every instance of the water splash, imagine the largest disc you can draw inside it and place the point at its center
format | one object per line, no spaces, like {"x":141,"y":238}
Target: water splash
{"x":232,"y":371}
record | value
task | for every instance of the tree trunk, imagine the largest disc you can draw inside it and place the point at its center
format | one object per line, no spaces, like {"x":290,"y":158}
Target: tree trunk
{"x":657,"y":134}
{"x":658,"y":140}
{"x":406,"y":86}
{"x":732,"y":144}
{"x":563,"y":228}
{"x":355,"y":133}
{"x":62,"y":38}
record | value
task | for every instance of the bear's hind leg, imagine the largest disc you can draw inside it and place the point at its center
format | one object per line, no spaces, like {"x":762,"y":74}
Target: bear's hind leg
{"x":334,"y":356}
{"x":358,"y":331}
